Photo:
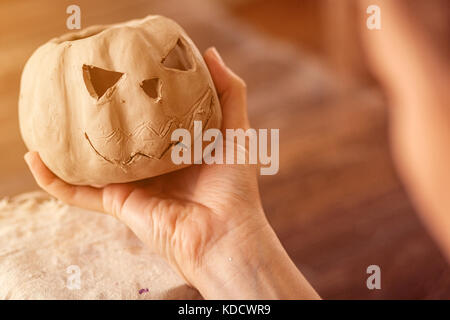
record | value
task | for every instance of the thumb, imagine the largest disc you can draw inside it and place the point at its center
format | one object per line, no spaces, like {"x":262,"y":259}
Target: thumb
{"x":231,"y":89}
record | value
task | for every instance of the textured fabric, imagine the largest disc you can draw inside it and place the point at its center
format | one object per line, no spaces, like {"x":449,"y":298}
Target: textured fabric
{"x":46,"y":246}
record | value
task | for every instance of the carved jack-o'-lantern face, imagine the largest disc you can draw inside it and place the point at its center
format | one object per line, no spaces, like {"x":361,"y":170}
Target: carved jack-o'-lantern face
{"x":100,"y":105}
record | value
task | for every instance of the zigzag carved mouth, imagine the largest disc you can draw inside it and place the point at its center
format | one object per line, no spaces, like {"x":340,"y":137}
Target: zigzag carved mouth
{"x":132,"y":156}
{"x":202,"y":106}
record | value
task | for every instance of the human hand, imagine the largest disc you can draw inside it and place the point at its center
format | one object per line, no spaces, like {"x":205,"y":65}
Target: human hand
{"x":207,"y":221}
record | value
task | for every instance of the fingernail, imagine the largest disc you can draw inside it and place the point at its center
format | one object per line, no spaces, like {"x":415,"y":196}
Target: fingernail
{"x":217,"y":55}
{"x":27,"y":157}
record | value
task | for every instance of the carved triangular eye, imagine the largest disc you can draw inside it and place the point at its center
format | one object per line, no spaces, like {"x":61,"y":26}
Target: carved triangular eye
{"x":152,"y":88}
{"x":178,"y":58}
{"x":98,"y":80}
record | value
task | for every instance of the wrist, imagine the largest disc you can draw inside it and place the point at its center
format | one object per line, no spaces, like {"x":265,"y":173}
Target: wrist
{"x":256,"y":267}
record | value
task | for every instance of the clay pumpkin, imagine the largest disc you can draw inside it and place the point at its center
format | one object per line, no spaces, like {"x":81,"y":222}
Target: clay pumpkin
{"x":100,"y":105}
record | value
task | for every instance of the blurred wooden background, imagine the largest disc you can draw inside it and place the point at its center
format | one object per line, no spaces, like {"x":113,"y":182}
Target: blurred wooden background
{"x":336,"y":204}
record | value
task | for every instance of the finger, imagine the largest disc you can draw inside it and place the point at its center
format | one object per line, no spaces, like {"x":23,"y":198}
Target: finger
{"x":82,"y":196}
{"x":231,"y":89}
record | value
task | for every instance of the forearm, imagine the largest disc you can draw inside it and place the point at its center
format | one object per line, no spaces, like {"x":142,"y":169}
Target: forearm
{"x":257,"y":268}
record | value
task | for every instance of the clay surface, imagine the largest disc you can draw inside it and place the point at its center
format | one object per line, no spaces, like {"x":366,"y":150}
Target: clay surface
{"x":49,"y":250}
{"x":100,"y":105}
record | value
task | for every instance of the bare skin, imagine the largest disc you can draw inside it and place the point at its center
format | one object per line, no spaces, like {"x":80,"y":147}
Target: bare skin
{"x":416,"y":76}
{"x":206,"y":220}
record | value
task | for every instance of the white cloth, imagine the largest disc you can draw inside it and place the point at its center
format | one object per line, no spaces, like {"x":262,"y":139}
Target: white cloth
{"x":41,"y":238}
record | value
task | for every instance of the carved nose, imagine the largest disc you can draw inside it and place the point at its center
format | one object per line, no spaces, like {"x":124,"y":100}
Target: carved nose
{"x":152,"y":88}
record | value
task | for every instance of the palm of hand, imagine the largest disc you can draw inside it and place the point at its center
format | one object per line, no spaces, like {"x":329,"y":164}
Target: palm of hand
{"x":187,"y":211}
